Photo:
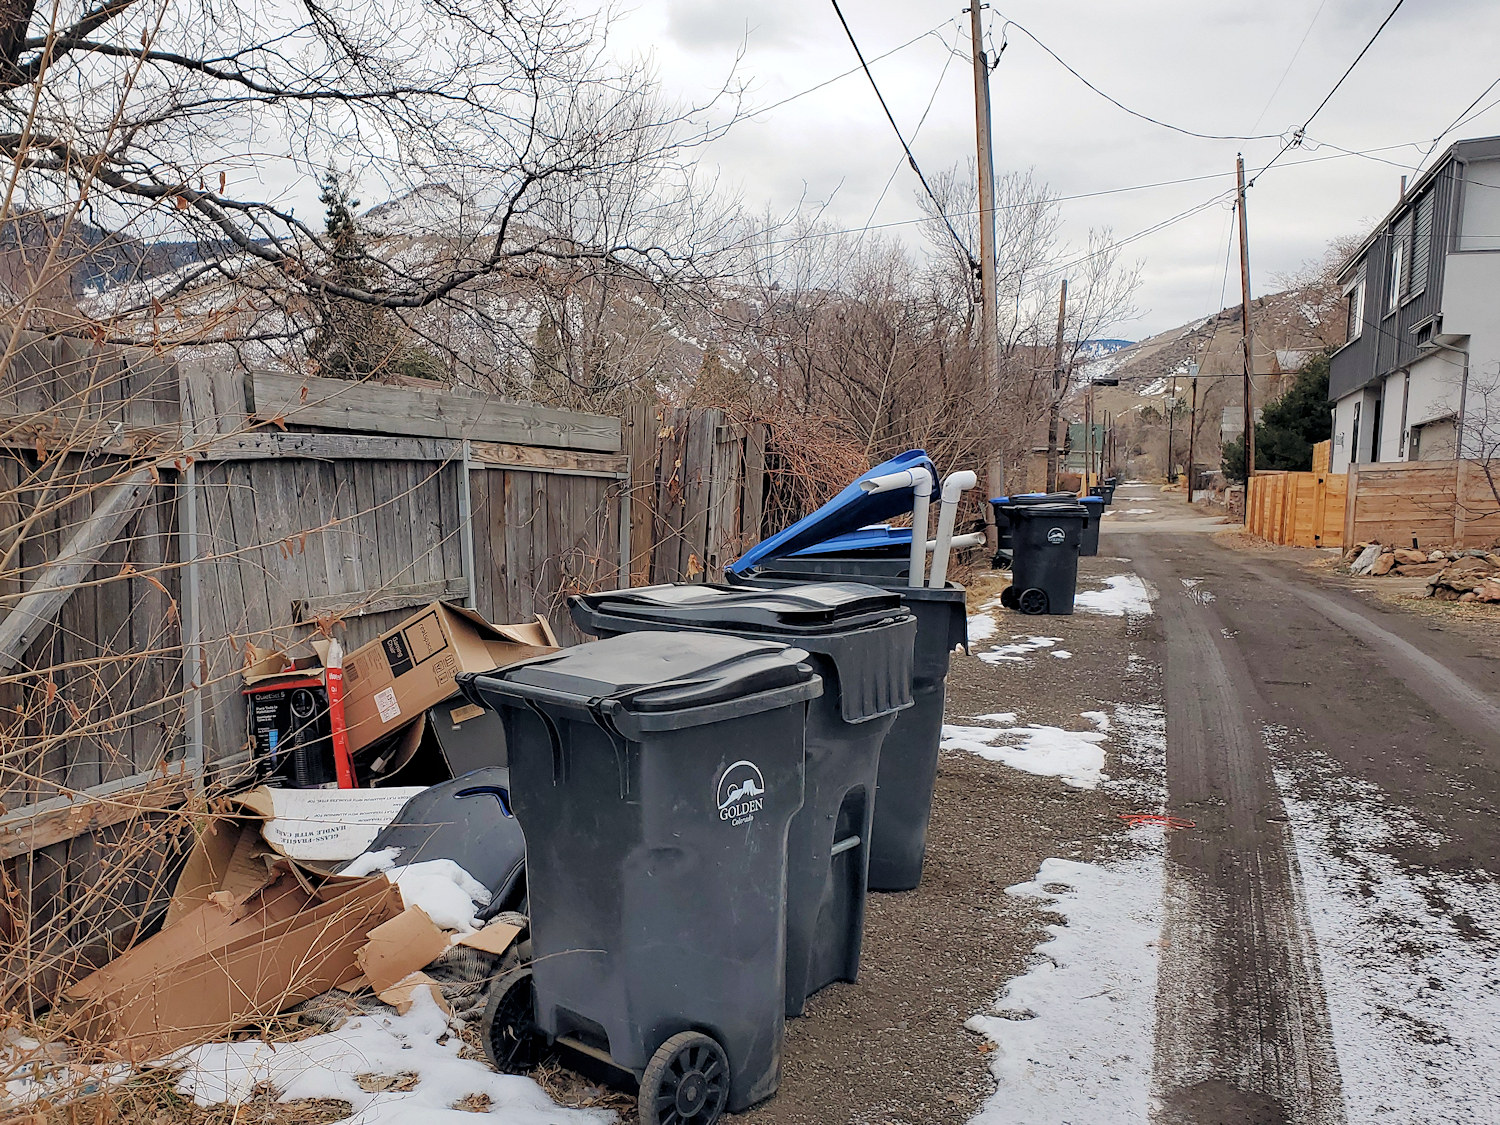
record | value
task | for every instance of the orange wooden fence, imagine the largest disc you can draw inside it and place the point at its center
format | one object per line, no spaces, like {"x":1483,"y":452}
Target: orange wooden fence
{"x":1298,"y":509}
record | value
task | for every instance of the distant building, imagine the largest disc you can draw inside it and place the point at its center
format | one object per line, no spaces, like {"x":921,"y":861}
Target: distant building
{"x":1423,"y":303}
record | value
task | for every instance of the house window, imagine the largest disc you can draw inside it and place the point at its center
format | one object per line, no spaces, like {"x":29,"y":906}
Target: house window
{"x":1396,"y":288}
{"x":1356,"y":300}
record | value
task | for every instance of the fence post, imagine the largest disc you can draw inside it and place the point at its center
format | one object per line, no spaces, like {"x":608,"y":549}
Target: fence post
{"x":466,"y":525}
{"x":189,"y":622}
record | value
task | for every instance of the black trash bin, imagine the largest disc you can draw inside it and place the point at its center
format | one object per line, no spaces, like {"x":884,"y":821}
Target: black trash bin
{"x":1044,"y":572}
{"x":859,"y":640}
{"x":655,"y":776}
{"x":1094,"y":506}
{"x":1002,"y":522}
{"x":909,"y":757}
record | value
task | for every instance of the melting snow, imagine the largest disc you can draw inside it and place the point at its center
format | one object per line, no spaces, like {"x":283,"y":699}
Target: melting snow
{"x":443,"y":889}
{"x":1073,"y":756}
{"x":1073,"y":1036}
{"x":385,"y":1046}
{"x":981,"y":628}
{"x":1019,"y":649}
{"x":1124,"y":594}
{"x":1410,"y":957}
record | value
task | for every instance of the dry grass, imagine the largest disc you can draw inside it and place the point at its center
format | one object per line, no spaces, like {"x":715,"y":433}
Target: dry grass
{"x":984,"y":587}
{"x":1236,"y":538}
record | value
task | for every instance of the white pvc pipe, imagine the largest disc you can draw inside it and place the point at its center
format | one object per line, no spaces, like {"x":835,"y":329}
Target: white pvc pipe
{"x":920,"y":482}
{"x":954,"y":486}
{"x":973,"y":539}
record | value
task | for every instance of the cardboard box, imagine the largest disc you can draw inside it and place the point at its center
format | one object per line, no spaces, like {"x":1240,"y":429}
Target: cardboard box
{"x":401,"y":673}
{"x":230,"y":963}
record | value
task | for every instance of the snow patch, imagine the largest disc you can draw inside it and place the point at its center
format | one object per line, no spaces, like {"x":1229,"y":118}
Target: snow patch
{"x":444,"y":890}
{"x":1073,"y":1035}
{"x":1123,"y":595}
{"x":1019,"y":649}
{"x":1410,"y":956}
{"x":1074,"y":757}
{"x":981,"y":628}
{"x":1061,"y":654}
{"x":383,"y":1045}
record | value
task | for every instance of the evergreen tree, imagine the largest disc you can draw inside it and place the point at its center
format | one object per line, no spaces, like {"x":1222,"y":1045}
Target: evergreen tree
{"x":1289,"y":427}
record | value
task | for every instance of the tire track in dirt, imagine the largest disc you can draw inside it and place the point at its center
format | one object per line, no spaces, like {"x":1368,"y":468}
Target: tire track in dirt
{"x":1243,"y":1033}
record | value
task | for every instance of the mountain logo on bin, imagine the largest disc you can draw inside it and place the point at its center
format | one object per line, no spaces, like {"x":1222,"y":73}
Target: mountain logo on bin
{"x":1056,"y":535}
{"x":742,"y":791}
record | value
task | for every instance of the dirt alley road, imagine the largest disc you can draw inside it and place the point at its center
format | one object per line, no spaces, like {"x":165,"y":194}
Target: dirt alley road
{"x":1270,"y":665}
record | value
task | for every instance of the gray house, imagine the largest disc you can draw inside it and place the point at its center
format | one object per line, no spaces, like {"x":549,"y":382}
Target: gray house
{"x":1423,"y":299}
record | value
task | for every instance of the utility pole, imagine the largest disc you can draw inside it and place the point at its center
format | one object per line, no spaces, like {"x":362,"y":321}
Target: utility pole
{"x":1192,"y":434}
{"x":1239,"y":164}
{"x":988,"y":329}
{"x":1054,"y":415}
{"x":1171,"y":420}
{"x":1088,"y":437}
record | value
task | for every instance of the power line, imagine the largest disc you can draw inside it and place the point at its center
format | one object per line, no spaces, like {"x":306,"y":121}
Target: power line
{"x":1121,"y":105}
{"x":1454,"y":124}
{"x":1297,"y":136}
{"x":910,"y":159}
{"x":851,"y":70}
{"x":1295,"y":55}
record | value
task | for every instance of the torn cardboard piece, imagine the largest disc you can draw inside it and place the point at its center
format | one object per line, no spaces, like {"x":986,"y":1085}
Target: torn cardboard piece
{"x":324,"y":826}
{"x":205,"y":976}
{"x":414,"y":666}
{"x":401,"y":995}
{"x":398,"y":948}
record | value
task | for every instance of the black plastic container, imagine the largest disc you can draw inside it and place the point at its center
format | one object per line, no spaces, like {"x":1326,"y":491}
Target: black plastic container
{"x":1088,"y":544}
{"x":655,"y":776}
{"x":1044,"y":571}
{"x":1002,"y":523}
{"x":859,"y":639}
{"x":909,"y":757}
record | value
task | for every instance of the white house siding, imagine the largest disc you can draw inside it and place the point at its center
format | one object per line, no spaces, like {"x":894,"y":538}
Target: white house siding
{"x":1471,"y":298}
{"x":1480,"y":223}
{"x":1392,"y":447}
{"x":1343,"y":433}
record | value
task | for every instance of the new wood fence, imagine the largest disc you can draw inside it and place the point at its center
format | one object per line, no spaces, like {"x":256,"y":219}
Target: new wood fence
{"x":1431,"y":503}
{"x":1297,"y":509}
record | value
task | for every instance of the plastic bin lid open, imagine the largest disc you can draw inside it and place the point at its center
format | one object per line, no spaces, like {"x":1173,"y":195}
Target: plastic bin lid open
{"x":865,"y":539}
{"x":850,"y":510}
{"x":653,"y":672}
{"x":816,"y":607}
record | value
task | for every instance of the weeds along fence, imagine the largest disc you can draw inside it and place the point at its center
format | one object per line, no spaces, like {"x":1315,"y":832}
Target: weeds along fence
{"x":159,"y":518}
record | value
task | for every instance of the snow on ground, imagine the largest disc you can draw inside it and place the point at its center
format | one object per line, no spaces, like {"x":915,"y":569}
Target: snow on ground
{"x":349,"y":1064}
{"x":981,"y":628}
{"x":1020,"y":647}
{"x":1123,"y":595}
{"x":1139,"y":511}
{"x":1410,"y":956}
{"x":1073,"y":1036}
{"x":1073,"y":756}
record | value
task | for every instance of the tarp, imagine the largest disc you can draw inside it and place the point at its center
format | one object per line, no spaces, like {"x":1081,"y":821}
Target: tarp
{"x":851,"y":509}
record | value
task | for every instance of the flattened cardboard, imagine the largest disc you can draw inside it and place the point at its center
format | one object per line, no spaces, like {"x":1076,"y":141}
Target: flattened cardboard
{"x":408,"y":669}
{"x":206,"y":992}
{"x":400,"y":995}
{"x":323,"y":826}
{"x":408,"y":942}
{"x":494,"y":938}
{"x":229,"y":857}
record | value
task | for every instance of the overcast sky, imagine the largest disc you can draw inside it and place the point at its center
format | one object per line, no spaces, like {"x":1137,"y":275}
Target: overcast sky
{"x":1205,"y":65}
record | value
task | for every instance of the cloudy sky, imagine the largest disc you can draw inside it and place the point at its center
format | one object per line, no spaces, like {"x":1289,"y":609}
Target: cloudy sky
{"x":1207,"y":66}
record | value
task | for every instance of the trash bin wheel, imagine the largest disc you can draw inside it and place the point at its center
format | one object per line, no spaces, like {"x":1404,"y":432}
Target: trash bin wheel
{"x":509,"y":1025}
{"x":1008,"y":597}
{"x":686,"y":1082}
{"x":1032,"y":601}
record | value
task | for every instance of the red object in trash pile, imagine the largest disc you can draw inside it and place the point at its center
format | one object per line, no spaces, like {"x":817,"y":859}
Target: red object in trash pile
{"x":343,"y":763}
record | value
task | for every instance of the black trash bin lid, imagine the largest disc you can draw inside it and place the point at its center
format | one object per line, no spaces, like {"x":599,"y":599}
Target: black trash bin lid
{"x":654,"y":672}
{"x":813,"y":608}
{"x":1049,"y":511}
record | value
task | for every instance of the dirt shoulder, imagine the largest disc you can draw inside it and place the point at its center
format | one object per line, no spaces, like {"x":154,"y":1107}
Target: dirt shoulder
{"x":892,"y":1049}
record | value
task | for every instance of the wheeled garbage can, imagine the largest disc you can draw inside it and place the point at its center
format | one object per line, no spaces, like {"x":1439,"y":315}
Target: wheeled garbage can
{"x":1044,"y":572}
{"x":1094,"y":507}
{"x":1002,"y":523}
{"x":859,"y":640}
{"x":655,"y":776}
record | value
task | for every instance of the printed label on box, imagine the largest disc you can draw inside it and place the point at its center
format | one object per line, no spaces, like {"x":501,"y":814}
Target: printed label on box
{"x":386,"y":703}
{"x":397,"y":655}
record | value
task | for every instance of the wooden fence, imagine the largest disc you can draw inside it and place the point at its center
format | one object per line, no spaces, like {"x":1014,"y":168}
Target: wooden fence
{"x":159,"y":519}
{"x":1297,"y":509}
{"x":1431,"y":503}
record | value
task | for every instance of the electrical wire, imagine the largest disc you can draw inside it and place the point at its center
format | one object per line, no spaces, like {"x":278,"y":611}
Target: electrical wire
{"x":910,"y":158}
{"x":1454,"y":124}
{"x":851,"y":70}
{"x":1121,"y":105}
{"x":1295,"y":54}
{"x":1299,"y":134}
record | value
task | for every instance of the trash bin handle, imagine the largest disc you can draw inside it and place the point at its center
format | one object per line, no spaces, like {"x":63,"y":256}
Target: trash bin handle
{"x":502,"y":796}
{"x":559,"y":756}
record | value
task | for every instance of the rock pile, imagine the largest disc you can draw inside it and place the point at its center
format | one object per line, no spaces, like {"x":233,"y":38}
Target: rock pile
{"x":1452,"y":575}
